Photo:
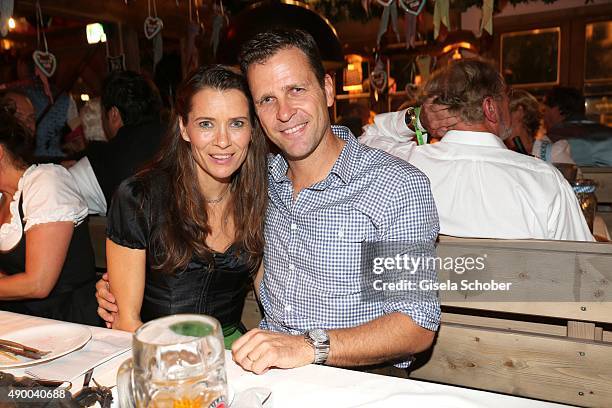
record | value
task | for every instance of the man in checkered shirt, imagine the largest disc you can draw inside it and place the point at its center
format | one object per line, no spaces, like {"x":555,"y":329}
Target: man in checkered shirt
{"x":328,"y":195}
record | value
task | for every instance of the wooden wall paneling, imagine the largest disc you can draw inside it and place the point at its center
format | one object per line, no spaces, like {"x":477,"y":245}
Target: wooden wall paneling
{"x":572,"y":22}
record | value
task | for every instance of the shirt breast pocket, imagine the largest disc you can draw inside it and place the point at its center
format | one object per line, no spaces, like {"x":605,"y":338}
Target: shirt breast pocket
{"x":336,"y":255}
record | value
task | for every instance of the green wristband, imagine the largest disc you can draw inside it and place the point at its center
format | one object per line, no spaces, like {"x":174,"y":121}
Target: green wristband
{"x":417,"y":129}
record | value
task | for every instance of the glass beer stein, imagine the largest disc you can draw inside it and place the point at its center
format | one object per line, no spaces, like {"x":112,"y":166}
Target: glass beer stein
{"x":178,"y":362}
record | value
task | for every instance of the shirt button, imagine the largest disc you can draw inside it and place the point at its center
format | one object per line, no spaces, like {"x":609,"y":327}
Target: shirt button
{"x":291,"y":267}
{"x":288,"y":308}
{"x":293,"y":226}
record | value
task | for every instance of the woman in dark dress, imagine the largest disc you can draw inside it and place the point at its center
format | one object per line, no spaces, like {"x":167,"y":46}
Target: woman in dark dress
{"x":46,"y":258}
{"x":185,"y":235}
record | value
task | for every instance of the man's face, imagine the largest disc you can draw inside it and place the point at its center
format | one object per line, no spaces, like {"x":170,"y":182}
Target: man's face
{"x":551,"y":115}
{"x":24,"y":111}
{"x":290,"y":103}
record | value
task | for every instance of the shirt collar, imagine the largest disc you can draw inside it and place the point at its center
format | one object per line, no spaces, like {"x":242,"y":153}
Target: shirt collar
{"x":343,"y":167}
{"x":467,"y":137}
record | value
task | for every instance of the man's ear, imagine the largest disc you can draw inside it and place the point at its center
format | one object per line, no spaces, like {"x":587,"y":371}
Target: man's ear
{"x":489,"y":109}
{"x":328,"y":88}
{"x":114,"y":117}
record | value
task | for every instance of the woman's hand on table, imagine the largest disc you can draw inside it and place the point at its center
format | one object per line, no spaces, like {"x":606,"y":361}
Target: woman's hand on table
{"x":107,"y":305}
{"x":259,"y":350}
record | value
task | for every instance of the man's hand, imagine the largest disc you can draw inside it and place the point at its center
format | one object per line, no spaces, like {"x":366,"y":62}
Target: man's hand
{"x":107,"y":305}
{"x":437,"y":119}
{"x":259,"y":350}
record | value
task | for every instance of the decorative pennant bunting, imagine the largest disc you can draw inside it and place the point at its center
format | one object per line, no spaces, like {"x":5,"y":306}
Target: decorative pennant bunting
{"x":219,"y":20}
{"x":366,"y":6}
{"x":6,"y":12}
{"x":440,"y":16}
{"x":390,"y":11}
{"x":486,"y":23}
{"x":410,"y":27}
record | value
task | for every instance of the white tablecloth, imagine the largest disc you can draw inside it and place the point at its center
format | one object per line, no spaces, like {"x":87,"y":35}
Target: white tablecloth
{"x":313,"y":386}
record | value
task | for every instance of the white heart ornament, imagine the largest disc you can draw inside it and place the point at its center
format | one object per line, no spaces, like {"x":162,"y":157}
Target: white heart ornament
{"x":152,"y":26}
{"x":45,"y":61}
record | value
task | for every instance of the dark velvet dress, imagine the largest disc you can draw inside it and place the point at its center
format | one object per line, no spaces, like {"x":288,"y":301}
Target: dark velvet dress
{"x":215,"y":286}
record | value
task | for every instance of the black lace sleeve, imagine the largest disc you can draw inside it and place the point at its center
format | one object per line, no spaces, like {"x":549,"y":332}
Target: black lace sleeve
{"x":128,"y":215}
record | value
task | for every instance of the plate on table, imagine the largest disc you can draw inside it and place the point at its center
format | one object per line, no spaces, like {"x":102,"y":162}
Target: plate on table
{"x":58,"y":338}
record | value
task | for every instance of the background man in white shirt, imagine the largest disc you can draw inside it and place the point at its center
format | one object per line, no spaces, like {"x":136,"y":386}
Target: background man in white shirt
{"x":481,"y":188}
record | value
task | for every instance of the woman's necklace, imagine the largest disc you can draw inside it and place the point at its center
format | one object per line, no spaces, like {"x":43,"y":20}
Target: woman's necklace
{"x":218,"y":199}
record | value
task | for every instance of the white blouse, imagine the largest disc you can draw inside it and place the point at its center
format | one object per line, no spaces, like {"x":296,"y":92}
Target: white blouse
{"x":50,"y":195}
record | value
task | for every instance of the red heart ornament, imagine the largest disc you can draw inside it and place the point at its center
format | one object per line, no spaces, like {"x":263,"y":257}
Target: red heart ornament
{"x":45,"y":61}
{"x":413,"y":6}
{"x":152,"y":26}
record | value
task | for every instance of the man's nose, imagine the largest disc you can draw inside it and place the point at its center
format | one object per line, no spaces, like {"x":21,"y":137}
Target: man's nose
{"x":286,"y":110}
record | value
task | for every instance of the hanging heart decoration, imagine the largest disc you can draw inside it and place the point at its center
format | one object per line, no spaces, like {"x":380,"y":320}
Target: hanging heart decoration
{"x":45,"y":61}
{"x":378,"y":78}
{"x":152,"y":26}
{"x":413,"y":6}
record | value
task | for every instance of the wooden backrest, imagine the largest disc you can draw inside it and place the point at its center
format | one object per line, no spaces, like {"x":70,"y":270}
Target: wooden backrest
{"x":562,"y":279}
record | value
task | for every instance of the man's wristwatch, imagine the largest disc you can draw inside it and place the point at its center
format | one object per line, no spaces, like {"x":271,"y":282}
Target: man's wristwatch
{"x":410,"y":118}
{"x":319,"y":340}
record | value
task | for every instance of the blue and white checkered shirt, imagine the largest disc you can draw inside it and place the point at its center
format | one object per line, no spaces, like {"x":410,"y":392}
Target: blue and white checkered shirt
{"x":312,"y":256}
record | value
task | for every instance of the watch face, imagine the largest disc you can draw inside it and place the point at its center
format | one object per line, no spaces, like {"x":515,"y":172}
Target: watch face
{"x":318,"y":335}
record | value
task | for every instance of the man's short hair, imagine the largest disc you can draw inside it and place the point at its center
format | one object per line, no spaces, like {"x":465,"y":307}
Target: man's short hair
{"x":570,"y":101}
{"x":264,"y":45}
{"x":463,"y":85}
{"x":134,"y":97}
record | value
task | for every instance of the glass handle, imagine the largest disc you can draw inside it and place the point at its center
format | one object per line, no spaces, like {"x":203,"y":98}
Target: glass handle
{"x":125,"y":389}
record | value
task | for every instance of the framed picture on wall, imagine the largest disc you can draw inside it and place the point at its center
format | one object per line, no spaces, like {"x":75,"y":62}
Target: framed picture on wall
{"x":598,"y":54}
{"x":531,"y":58}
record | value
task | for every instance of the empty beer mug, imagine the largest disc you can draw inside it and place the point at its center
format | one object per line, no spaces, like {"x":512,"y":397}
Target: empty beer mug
{"x":177,"y":361}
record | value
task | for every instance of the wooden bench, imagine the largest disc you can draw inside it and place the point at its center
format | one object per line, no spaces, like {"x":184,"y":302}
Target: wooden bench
{"x":554,"y":350}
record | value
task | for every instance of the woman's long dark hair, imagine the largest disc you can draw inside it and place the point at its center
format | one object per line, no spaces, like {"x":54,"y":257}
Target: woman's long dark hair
{"x":15,"y":137}
{"x":184,"y":232}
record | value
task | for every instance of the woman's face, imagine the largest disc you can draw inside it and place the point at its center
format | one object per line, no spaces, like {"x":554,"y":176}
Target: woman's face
{"x":219,"y":131}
